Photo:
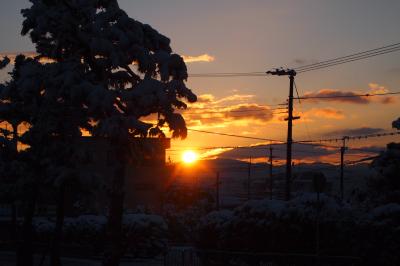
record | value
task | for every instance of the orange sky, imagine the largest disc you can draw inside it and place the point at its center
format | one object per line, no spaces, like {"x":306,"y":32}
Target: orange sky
{"x":246,"y":36}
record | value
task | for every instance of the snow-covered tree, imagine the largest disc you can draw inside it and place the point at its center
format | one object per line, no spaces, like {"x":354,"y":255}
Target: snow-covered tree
{"x":18,"y":106}
{"x":115,"y":71}
{"x":384,"y":186}
{"x":396,"y":123}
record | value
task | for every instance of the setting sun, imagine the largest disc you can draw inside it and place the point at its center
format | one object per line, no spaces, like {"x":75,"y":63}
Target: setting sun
{"x":189,"y":157}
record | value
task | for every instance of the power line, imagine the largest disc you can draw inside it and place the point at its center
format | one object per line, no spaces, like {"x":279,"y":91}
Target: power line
{"x":348,"y":56}
{"x":348,"y":96}
{"x":232,"y":111}
{"x":305,"y":142}
{"x":233,"y":135}
{"x":310,"y":67}
{"x":357,"y":137}
{"x":340,"y":62}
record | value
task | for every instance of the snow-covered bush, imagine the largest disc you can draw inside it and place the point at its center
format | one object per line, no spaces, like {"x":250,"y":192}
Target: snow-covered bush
{"x":279,"y":226}
{"x":43,"y":228}
{"x":183,"y":209}
{"x":210,"y":228}
{"x":146,"y":234}
{"x":384,"y":187}
{"x":378,"y":236}
{"x":86,"y":230}
{"x":182,"y":222}
{"x":290,"y":227}
{"x":386,"y":215}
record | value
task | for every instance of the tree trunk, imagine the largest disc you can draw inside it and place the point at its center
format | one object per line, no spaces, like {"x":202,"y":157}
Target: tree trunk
{"x":114,"y":247}
{"x":13,"y":203}
{"x":25,"y":247}
{"x":60,"y":214}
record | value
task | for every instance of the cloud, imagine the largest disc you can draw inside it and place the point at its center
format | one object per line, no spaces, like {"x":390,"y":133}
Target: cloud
{"x":376,"y":88}
{"x":29,"y":54}
{"x":301,"y":153}
{"x":302,"y":61}
{"x":328,"y":113}
{"x":186,"y":58}
{"x":199,"y":58}
{"x":341,"y":96}
{"x":308,"y":153}
{"x":355,"y":131}
{"x":242,"y":114}
{"x":333,"y":95}
{"x":210,"y":111}
{"x":207,"y":100}
{"x":235,"y":97}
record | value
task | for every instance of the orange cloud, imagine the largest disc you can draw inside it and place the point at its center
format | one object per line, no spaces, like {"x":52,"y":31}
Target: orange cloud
{"x":230,"y":110}
{"x":199,"y":58}
{"x":376,"y":88}
{"x":223,"y":116}
{"x":31,"y":54}
{"x":330,"y":113}
{"x":207,"y":100}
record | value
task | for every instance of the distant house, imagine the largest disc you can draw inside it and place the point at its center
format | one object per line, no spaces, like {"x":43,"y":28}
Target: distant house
{"x":146,"y":179}
{"x":146,"y":174}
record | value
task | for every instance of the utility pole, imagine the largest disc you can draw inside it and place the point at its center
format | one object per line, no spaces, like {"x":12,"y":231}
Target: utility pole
{"x":271,"y":182}
{"x":248,"y":178}
{"x":291,"y":73}
{"x":217,"y":191}
{"x":342,"y":151}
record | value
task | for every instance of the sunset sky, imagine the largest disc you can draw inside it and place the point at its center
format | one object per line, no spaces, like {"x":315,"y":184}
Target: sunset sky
{"x":245,"y":36}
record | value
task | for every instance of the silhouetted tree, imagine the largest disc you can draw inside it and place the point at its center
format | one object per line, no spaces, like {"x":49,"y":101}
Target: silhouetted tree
{"x":37,"y":96}
{"x":18,"y":106}
{"x":383,"y":187}
{"x":396,"y":123}
{"x":125,"y":71}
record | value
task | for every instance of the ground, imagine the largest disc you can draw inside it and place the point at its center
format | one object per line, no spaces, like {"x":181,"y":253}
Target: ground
{"x":8,"y":259}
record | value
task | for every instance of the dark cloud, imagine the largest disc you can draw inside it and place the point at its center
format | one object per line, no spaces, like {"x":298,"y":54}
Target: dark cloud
{"x":308,"y":152}
{"x":331,"y":95}
{"x":338,"y":96}
{"x":300,"y":151}
{"x":355,"y":131}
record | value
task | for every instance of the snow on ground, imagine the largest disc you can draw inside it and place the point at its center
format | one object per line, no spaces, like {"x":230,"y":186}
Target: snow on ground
{"x":8,"y":259}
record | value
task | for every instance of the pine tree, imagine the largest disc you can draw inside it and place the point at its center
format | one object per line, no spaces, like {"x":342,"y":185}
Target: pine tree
{"x":114,"y":71}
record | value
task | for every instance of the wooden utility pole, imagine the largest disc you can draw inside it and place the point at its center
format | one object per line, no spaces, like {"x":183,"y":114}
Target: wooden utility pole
{"x":291,"y":73}
{"x":342,"y":151}
{"x":248,"y":178}
{"x":271,"y":182}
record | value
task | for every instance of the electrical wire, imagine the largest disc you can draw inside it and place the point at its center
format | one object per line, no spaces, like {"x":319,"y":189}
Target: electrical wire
{"x":340,"y":62}
{"x":349,"y":56}
{"x":347,"y":96}
{"x":233,"y":135}
{"x":310,"y":67}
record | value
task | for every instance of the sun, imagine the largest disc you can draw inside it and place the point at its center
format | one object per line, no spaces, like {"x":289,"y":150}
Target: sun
{"x":189,"y":157}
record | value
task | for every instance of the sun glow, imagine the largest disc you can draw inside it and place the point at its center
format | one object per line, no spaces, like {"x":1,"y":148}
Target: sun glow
{"x":189,"y":157}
